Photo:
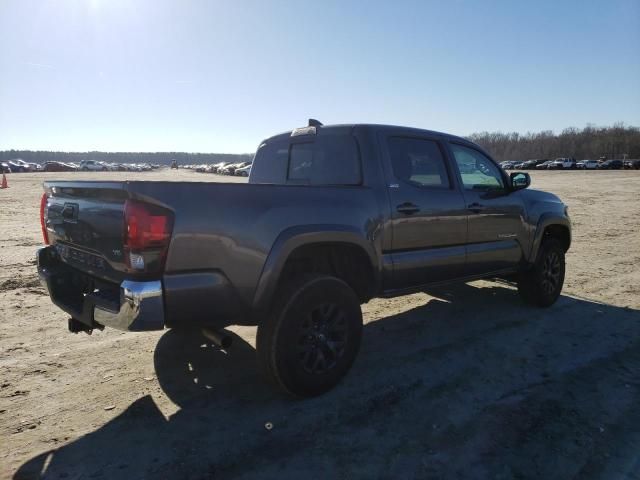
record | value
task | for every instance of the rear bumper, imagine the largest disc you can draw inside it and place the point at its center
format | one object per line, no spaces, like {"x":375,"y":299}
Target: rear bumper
{"x":140,"y":308}
{"x":131,"y":306}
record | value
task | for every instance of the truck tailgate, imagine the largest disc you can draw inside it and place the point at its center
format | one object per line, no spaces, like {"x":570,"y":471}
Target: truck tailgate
{"x":99,"y":228}
{"x":85,"y":221}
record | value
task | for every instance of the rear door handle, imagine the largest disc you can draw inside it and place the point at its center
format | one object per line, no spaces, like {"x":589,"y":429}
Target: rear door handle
{"x":476,"y":207}
{"x":408,"y":208}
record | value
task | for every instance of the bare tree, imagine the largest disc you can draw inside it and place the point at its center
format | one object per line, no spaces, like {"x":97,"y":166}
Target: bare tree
{"x":590,"y":142}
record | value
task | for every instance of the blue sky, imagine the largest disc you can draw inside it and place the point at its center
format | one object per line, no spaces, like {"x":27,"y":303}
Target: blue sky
{"x":219,"y":76}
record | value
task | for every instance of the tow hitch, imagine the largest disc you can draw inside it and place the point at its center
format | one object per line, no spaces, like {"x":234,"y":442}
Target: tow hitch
{"x":76,"y":326}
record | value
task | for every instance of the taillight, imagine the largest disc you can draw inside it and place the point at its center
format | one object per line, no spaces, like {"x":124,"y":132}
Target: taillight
{"x":43,"y":217}
{"x":147,"y":233}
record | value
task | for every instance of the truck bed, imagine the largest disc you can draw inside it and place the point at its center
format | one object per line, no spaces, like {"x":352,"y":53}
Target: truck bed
{"x":221,"y":238}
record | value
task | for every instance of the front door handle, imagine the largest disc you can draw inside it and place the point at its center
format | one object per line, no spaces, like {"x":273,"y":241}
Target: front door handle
{"x":476,"y":207}
{"x":408,"y":208}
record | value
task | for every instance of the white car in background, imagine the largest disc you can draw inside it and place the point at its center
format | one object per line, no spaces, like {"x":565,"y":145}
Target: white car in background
{"x":243,"y":171}
{"x":562,"y":164}
{"x":587,"y":164}
{"x":92,"y":166}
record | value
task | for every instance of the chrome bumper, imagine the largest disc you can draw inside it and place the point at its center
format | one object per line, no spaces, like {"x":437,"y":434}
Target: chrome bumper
{"x":141,"y":308}
{"x":135,"y":306}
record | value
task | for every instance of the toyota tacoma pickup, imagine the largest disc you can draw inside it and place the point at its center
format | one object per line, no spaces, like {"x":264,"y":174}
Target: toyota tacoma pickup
{"x":331,"y":217}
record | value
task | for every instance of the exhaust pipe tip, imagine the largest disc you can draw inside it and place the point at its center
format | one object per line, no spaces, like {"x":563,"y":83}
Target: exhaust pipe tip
{"x":220,"y":338}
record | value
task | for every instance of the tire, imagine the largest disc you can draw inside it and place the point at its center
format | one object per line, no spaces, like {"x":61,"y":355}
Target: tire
{"x":312,"y":336}
{"x":541,"y":285}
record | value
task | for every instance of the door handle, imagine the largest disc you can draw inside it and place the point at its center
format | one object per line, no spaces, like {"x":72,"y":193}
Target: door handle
{"x":476,"y":207}
{"x":408,"y":208}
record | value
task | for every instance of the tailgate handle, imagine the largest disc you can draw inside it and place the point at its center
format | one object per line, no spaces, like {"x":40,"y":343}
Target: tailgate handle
{"x":69,"y":211}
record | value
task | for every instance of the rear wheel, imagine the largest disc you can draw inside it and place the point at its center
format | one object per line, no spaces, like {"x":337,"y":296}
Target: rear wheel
{"x":541,"y":285}
{"x":312,"y":336}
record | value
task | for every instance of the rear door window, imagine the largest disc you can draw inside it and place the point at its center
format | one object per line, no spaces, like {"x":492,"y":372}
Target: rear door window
{"x":418,"y":161}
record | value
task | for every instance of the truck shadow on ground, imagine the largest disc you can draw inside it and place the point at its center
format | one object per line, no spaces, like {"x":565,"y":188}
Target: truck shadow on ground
{"x":472,"y":383}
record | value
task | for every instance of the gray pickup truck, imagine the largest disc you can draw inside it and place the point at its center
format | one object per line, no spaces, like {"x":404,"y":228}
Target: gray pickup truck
{"x":331,"y":217}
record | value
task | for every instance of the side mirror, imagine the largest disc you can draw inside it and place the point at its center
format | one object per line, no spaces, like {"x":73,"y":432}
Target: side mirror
{"x":520,"y":180}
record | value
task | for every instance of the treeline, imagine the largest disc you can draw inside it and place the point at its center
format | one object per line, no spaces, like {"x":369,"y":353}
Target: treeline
{"x":589,"y":143}
{"x":161,"y":158}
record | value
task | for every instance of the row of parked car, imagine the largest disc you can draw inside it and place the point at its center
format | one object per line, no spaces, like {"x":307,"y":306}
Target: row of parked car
{"x":20,"y":166}
{"x":571,"y":163}
{"x":241,"y":169}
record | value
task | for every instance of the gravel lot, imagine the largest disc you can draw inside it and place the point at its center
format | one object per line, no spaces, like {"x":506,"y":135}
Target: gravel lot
{"x":457,"y":382}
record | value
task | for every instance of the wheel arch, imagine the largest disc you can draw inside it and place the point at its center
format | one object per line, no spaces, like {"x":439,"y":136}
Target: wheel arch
{"x":303,"y":240}
{"x":551,"y":225}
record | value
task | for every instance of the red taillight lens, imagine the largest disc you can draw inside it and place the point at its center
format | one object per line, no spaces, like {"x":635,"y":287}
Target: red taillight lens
{"x":147,"y":232}
{"x":43,"y":220}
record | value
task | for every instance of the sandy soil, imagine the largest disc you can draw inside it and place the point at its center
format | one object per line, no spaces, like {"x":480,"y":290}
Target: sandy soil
{"x":462,"y":382}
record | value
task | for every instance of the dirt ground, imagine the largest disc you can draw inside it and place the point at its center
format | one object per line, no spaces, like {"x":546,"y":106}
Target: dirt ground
{"x":459,"y":382}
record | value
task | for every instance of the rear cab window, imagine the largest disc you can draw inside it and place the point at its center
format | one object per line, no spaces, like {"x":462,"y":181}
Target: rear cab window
{"x":329,"y":157}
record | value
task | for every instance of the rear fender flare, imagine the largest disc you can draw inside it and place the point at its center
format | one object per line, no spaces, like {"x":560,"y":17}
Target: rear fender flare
{"x":296,"y":237}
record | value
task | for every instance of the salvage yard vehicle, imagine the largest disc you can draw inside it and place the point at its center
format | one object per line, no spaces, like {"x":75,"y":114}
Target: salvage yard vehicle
{"x":216,"y":167}
{"x":632,"y":164}
{"x":331,"y":217}
{"x":562,"y":163}
{"x":231,"y":168}
{"x":18,"y":166}
{"x":53,"y":166}
{"x":587,"y":164}
{"x":508,"y":165}
{"x":611,"y":165}
{"x":243,"y":171}
{"x":544,"y":165}
{"x":532,"y":164}
{"x":93,"y":166}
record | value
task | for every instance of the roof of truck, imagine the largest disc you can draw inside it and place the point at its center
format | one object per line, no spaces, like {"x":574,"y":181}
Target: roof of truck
{"x":376,"y":126}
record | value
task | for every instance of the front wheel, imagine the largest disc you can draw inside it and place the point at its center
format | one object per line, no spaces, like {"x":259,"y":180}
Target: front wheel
{"x":541,"y":285}
{"x":312,"y":336}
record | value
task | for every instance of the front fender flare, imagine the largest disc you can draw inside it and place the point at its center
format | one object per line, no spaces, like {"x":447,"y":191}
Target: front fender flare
{"x":546,"y":220}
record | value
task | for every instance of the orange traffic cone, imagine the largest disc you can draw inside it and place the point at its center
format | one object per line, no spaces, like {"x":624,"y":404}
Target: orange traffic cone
{"x":4,"y":181}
